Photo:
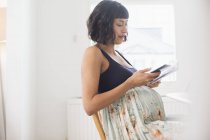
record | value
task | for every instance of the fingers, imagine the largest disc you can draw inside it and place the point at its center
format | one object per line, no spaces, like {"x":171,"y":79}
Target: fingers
{"x":154,"y":75}
{"x":151,"y":76}
{"x":146,"y":77}
{"x":156,"y":84}
{"x":145,"y":70}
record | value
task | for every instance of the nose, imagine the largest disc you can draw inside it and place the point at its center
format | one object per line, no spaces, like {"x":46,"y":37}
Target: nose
{"x":125,"y":30}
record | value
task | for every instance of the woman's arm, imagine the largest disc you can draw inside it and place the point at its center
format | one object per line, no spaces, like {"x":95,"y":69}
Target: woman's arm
{"x":91,"y":69}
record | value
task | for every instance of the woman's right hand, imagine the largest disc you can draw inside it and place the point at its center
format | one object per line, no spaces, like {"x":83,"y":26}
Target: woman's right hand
{"x":141,"y":77}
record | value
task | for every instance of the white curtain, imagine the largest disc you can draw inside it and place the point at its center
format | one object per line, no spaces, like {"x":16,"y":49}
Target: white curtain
{"x":2,"y":108}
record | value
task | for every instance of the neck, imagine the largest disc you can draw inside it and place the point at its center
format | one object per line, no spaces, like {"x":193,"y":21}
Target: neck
{"x":108,"y":48}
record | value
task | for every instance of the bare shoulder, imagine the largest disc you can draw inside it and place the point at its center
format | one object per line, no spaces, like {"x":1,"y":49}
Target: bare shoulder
{"x":93,"y":52}
{"x":92,"y":49}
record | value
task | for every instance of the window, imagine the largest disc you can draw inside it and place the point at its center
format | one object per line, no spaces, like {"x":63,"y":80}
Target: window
{"x":151,"y":37}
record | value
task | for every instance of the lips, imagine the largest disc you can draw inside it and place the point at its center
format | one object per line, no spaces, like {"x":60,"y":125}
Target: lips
{"x":122,"y":36}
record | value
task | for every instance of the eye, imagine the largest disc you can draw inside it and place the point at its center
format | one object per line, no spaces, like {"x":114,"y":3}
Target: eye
{"x":119,"y":25}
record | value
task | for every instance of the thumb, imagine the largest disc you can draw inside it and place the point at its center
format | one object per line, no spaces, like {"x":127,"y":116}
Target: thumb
{"x":145,"y":70}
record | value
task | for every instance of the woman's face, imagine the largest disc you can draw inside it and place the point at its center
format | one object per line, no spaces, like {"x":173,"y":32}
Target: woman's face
{"x":120,"y":30}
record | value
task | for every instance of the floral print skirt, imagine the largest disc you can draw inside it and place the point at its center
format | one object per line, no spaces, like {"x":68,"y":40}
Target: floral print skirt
{"x":138,"y":115}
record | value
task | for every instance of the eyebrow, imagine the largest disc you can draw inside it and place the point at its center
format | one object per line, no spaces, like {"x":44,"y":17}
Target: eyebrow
{"x":123,"y":20}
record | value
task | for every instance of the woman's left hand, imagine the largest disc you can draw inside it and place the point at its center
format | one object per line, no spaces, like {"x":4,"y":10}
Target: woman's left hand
{"x":156,"y":84}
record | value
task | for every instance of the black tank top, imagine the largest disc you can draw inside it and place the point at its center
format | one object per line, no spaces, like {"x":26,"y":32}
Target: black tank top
{"x":114,"y":75}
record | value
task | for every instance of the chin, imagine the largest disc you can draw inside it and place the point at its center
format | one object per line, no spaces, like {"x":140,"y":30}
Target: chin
{"x":119,"y":42}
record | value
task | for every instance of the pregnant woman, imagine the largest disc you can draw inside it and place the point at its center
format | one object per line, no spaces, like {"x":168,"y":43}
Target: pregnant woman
{"x":112,"y":87}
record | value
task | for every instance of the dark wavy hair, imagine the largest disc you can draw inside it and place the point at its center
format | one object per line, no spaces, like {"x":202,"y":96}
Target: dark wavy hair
{"x":100,"y":21}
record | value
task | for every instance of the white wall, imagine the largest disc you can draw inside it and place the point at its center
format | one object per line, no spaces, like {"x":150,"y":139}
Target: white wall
{"x":194,"y":51}
{"x":62,"y":38}
{"x":46,"y":40}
